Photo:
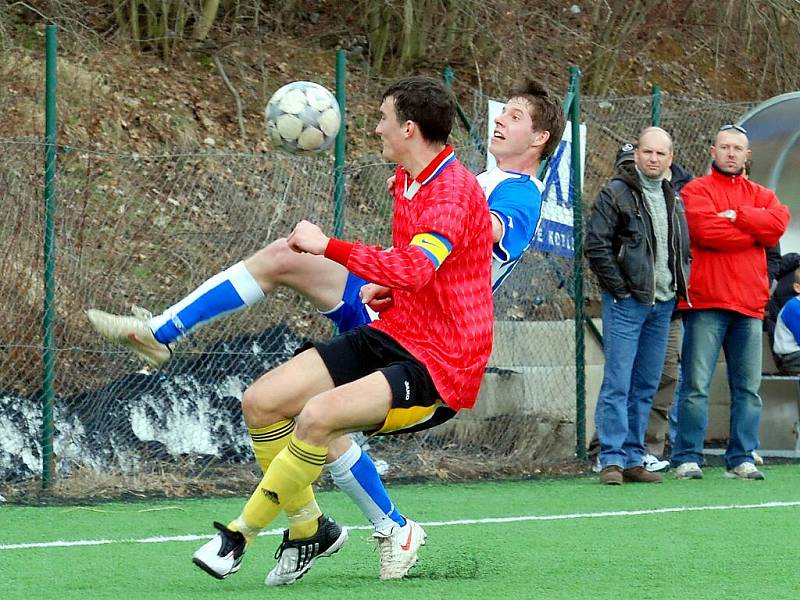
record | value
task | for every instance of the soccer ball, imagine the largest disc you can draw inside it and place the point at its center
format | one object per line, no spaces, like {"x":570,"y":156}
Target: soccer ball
{"x":303,"y":118}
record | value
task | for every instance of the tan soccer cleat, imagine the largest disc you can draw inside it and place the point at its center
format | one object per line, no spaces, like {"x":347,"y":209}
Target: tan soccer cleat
{"x":131,"y":332}
{"x":398,"y":550}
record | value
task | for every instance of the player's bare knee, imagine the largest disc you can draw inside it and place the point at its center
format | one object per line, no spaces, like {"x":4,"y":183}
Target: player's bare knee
{"x":338,"y":447}
{"x":270,"y":264}
{"x":283,"y":261}
{"x":250,"y":402}
{"x":314,"y":424}
{"x":257,"y":410}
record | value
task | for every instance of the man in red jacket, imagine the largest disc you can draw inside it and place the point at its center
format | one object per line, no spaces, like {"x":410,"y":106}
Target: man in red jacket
{"x":732,"y":221}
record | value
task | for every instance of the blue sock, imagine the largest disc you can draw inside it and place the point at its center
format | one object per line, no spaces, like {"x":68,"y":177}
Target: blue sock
{"x":355,"y":474}
{"x":226,"y":292}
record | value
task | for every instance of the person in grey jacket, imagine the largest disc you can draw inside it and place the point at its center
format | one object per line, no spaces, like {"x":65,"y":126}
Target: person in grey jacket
{"x":638,"y":247}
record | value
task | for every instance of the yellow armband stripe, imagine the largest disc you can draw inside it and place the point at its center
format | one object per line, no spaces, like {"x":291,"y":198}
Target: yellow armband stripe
{"x":436,"y":247}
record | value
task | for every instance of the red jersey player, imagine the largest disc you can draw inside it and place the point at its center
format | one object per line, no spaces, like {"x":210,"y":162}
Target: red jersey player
{"x":412,"y":369}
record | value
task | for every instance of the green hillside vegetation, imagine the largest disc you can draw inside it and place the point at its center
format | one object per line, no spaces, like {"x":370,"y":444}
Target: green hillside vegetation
{"x":141,"y":75}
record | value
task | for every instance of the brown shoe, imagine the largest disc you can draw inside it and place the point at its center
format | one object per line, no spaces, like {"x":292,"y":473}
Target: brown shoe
{"x":611,"y":475}
{"x":640,"y":475}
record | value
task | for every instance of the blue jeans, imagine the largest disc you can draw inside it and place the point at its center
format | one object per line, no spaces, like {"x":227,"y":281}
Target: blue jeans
{"x":705,"y":332}
{"x":673,"y":412}
{"x":634,"y":345}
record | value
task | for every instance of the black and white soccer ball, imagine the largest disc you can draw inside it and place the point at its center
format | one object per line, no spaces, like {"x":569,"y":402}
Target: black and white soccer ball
{"x":303,"y":118}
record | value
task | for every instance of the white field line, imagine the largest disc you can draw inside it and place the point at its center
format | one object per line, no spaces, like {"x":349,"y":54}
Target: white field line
{"x":566,"y":517}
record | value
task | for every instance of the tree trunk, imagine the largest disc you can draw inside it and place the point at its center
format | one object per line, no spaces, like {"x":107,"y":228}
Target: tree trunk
{"x":205,"y":20}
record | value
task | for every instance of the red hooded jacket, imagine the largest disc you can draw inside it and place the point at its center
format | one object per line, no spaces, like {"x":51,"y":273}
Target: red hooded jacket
{"x":729,"y":265}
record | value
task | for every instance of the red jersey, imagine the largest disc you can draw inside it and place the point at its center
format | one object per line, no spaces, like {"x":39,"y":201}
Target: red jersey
{"x":443,"y":317}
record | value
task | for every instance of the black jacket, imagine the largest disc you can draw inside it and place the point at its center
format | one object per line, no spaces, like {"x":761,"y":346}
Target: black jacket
{"x":620,"y":241}
{"x":774,"y":263}
{"x":680,"y":177}
{"x":784,"y":290}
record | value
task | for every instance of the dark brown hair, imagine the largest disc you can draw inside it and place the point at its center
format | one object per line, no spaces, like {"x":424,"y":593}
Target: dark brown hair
{"x":426,"y":102}
{"x":547,"y":113}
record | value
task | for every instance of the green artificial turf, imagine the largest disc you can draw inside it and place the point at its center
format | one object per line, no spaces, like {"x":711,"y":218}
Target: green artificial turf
{"x":722,"y":553}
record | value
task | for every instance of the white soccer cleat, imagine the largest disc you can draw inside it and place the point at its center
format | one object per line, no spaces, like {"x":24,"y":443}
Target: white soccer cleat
{"x":222,"y":555}
{"x":399,"y":549}
{"x":296,"y":557}
{"x":131,"y":332}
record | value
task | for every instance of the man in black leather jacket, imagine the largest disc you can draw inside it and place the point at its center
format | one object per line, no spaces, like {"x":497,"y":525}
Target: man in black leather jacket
{"x":637,"y":246}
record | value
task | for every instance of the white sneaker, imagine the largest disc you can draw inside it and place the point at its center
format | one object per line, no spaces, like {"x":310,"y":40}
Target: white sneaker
{"x":757,"y":459}
{"x":596,"y":466}
{"x":399,"y":549}
{"x":688,"y":470}
{"x":131,"y":332}
{"x":746,"y":470}
{"x":222,"y":555}
{"x":653,"y":464}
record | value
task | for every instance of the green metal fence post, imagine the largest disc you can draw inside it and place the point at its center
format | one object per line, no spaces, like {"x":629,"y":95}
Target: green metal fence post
{"x":655,"y":106}
{"x":448,"y":75}
{"x":577,"y":230}
{"x":339,"y":148}
{"x":48,"y":321}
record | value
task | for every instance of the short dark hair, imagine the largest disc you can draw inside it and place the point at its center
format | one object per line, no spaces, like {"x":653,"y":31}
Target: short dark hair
{"x":547,"y":113}
{"x":425,"y":101}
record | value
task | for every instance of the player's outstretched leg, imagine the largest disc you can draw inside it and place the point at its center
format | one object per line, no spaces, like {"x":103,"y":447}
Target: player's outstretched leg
{"x":244,"y":284}
{"x":149,"y":337}
{"x":221,"y":555}
{"x":296,"y":557}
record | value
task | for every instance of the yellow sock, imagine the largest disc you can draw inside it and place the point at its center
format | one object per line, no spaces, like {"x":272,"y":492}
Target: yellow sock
{"x":302,"y":511}
{"x":269,"y":440}
{"x":292,"y":470}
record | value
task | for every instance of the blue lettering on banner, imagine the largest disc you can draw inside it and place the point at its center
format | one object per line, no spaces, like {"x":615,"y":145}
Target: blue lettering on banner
{"x":555,"y":237}
{"x":552,"y":235}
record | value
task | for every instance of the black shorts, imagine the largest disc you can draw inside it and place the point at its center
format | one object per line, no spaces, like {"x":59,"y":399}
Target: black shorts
{"x":416,"y":404}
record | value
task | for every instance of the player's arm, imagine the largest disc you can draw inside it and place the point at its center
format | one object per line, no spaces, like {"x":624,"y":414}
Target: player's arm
{"x":516,"y":208}
{"x":377,"y":297}
{"x":408,"y":268}
{"x":439,"y":228}
{"x":497,"y":228}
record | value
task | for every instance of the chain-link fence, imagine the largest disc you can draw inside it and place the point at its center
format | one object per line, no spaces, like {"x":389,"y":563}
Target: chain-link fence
{"x":146,"y":230}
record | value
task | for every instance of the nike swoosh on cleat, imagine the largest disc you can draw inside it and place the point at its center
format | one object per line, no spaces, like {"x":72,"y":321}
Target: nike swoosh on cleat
{"x":142,"y":344}
{"x":132,"y":337}
{"x":407,"y":545}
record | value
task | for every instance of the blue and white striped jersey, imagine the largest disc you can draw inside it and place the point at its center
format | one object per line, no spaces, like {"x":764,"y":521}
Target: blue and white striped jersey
{"x":516,"y":200}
